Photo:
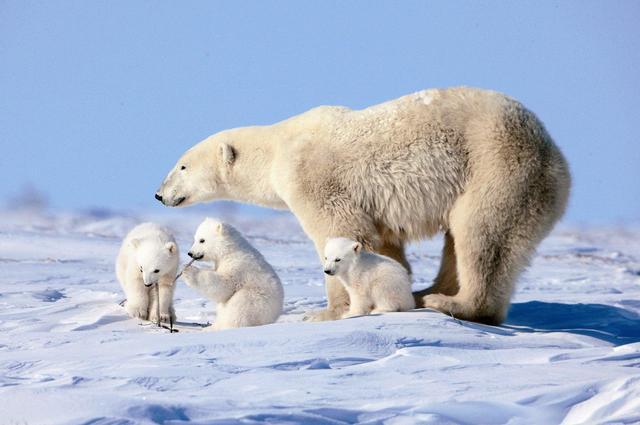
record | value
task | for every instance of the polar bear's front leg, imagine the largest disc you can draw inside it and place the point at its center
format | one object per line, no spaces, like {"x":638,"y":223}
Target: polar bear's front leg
{"x":337,"y":302}
{"x":354,"y":224}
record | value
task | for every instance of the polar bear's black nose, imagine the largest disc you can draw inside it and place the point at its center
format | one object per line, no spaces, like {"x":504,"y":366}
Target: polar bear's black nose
{"x":328,"y":272}
{"x":190,"y":254}
{"x":159,"y":197}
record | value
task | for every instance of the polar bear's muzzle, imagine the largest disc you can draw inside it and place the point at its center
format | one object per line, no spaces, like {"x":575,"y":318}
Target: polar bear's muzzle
{"x":166,"y":202}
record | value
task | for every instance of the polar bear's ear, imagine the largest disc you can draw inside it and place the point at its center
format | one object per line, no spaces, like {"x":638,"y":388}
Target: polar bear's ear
{"x":170,"y":246}
{"x":227,"y":154}
{"x":134,"y":243}
{"x":357,"y":247}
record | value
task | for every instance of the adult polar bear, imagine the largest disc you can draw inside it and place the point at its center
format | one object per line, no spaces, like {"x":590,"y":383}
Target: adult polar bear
{"x":472,"y":163}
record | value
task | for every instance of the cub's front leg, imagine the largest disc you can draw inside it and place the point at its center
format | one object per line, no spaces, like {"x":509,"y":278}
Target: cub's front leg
{"x":165,"y":288}
{"x":209,"y":283}
{"x":194,"y":277}
{"x":360,"y":305}
{"x":137,"y":304}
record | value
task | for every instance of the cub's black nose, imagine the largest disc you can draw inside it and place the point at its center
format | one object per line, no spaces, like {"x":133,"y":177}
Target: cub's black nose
{"x":328,"y":272}
{"x":159,"y":197}
{"x":190,"y":254}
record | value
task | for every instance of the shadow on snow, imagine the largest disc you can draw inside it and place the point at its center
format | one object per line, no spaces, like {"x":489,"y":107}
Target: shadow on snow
{"x":608,"y":323}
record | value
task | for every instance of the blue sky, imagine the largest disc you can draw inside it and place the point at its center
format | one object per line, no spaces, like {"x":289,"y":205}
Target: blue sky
{"x":99,"y":98}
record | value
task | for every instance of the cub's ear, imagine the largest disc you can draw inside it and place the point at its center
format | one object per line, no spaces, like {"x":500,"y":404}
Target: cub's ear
{"x":134,"y":243}
{"x":227,"y":153}
{"x":357,"y":247}
{"x":219,"y":228}
{"x":171,"y":247}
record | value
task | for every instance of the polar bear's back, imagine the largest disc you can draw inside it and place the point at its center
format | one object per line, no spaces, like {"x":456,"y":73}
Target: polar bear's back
{"x":406,"y":161}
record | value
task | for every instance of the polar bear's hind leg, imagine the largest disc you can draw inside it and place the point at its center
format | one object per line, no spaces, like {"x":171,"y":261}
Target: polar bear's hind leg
{"x":497,"y":224}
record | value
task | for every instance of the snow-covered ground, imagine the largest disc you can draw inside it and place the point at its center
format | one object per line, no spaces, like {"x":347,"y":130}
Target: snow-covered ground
{"x":569,"y":352}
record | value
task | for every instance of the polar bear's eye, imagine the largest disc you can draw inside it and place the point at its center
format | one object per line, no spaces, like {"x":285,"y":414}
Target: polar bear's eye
{"x":337,"y":260}
{"x":156,"y":271}
{"x":183,"y":167}
{"x":140,"y":269}
{"x":201,"y":240}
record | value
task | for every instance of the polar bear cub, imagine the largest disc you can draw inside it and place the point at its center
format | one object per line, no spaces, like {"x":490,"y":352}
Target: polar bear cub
{"x":375,"y":283}
{"x":245,"y":287}
{"x":148,"y":256}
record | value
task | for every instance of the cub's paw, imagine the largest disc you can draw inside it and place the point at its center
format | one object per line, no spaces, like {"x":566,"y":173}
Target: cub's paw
{"x":168,"y":317}
{"x":189,"y":275}
{"x":136,"y":311}
{"x":153,"y":316}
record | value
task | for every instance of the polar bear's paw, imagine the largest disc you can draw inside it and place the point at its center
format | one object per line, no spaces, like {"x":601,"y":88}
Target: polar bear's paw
{"x":321,"y":315}
{"x":137,"y":311}
{"x":450,"y":305}
{"x":349,"y":315}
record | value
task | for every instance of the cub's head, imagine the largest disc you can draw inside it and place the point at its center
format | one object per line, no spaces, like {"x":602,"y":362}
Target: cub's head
{"x":210,"y":237}
{"x":199,"y":175}
{"x":155,"y":258}
{"x":339,"y":254}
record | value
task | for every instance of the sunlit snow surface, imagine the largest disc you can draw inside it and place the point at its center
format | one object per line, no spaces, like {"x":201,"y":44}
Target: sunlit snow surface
{"x":569,"y":352}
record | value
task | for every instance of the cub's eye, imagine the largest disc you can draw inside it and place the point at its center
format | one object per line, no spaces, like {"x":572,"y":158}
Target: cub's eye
{"x":156,"y":271}
{"x":183,"y":167}
{"x":338,"y":260}
{"x":201,"y":240}
{"x":140,"y":269}
{"x":325,"y":258}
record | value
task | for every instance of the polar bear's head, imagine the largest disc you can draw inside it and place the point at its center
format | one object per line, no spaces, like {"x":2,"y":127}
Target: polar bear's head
{"x":155,"y":258}
{"x":199,"y":175}
{"x":339,"y":254}
{"x":210,"y":239}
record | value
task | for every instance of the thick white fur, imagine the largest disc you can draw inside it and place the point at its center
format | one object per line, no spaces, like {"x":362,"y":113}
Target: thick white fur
{"x":148,"y":247}
{"x":375,"y":283}
{"x":246,"y":289}
{"x":474,"y":164}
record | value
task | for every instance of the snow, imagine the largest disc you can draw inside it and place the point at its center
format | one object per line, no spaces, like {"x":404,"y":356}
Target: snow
{"x":569,"y":352}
